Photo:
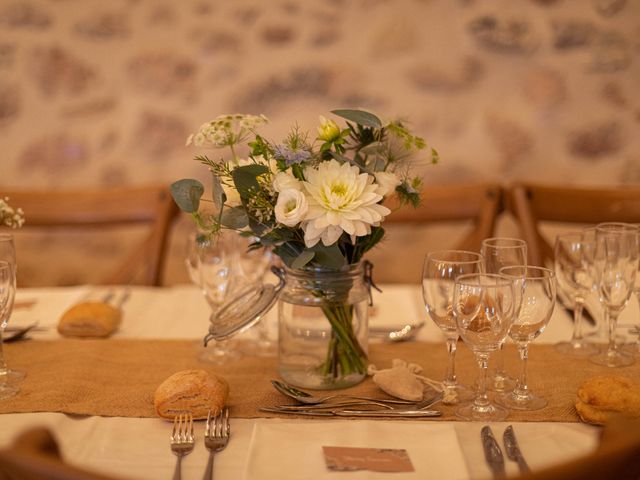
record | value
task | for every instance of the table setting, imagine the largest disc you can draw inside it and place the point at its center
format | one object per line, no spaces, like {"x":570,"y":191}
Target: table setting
{"x":285,"y":359}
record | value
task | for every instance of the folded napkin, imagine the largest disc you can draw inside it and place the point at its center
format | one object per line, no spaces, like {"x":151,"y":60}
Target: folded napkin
{"x":293,"y":450}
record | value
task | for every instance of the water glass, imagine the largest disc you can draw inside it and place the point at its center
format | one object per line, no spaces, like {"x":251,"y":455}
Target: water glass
{"x":439,"y":272}
{"x":499,"y":252}
{"x":573,"y":258}
{"x":535,"y":291}
{"x":616,"y":267}
{"x":484,"y":308}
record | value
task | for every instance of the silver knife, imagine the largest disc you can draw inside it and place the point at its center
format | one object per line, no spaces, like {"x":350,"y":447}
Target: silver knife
{"x":356,"y":413}
{"x":492,"y":453}
{"x":513,"y":450}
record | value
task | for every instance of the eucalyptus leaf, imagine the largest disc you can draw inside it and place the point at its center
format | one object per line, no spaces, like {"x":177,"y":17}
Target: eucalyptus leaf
{"x":187,"y":194}
{"x":330,"y":257}
{"x":374,"y":148}
{"x":245,"y":180}
{"x":340,"y":158}
{"x":234,"y":218}
{"x":302,"y":259}
{"x":360,"y":117}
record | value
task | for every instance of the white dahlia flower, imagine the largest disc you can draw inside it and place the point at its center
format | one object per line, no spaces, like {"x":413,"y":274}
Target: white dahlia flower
{"x":341,"y":199}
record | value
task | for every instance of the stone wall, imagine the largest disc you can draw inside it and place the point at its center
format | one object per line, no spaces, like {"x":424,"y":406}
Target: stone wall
{"x":104,"y":93}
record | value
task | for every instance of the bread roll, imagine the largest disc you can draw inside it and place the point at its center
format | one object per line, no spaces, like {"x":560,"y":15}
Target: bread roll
{"x":90,"y":319}
{"x":602,"y":397}
{"x":191,"y":391}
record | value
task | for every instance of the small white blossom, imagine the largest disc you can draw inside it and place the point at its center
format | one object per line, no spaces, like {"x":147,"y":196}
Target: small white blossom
{"x":284,"y":180}
{"x":387,"y":182}
{"x":291,"y":207}
{"x":9,"y":216}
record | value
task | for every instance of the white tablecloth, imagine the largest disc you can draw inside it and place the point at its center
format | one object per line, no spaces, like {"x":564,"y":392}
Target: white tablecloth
{"x":139,"y":448}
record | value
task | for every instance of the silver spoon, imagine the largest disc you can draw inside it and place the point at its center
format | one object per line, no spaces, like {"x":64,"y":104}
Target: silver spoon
{"x":405,"y":333}
{"x":307,"y":398}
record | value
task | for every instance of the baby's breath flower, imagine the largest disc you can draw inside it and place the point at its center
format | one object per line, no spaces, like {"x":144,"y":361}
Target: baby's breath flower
{"x":9,"y":216}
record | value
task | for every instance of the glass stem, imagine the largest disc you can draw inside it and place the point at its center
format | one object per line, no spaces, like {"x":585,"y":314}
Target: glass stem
{"x":450,"y":375}
{"x":3,"y":364}
{"x":611,"y":317}
{"x":500,"y":362}
{"x":577,"y":322}
{"x":521,"y":388}
{"x":481,"y":399}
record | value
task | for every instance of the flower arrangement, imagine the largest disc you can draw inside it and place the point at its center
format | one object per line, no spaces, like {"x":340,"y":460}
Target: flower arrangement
{"x":317,"y":202}
{"x":10,"y":216}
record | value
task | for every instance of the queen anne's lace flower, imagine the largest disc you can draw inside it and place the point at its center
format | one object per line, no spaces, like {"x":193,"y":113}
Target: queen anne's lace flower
{"x":226,"y":130}
{"x":341,"y":199}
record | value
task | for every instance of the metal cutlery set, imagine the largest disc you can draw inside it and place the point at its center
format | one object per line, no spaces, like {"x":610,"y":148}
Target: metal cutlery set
{"x":216,"y":436}
{"x":352,"y":406}
{"x":493,"y":453}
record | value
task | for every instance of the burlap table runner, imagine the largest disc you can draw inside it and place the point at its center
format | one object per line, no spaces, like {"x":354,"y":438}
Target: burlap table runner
{"x":119,"y":377}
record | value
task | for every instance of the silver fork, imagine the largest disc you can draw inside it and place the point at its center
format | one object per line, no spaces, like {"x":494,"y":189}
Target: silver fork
{"x":216,"y":437}
{"x":182,"y":440}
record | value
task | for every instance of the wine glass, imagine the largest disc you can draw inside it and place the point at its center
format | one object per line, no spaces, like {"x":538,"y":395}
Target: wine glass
{"x":616,"y":267}
{"x":209,"y":262}
{"x":499,"y":252}
{"x":8,"y":387}
{"x":8,"y":257}
{"x":251,"y":264}
{"x":439,"y":272}
{"x":536,"y":287}
{"x":484,"y":308}
{"x":573,"y":253}
{"x":634,"y":348}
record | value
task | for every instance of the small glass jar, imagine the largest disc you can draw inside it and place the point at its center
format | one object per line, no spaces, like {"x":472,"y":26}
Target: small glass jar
{"x":323,"y":327}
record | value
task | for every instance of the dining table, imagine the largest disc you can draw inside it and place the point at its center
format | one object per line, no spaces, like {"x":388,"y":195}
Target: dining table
{"x":110,"y":426}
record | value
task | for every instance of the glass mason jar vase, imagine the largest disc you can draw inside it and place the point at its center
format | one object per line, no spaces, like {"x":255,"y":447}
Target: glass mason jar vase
{"x":323,"y":327}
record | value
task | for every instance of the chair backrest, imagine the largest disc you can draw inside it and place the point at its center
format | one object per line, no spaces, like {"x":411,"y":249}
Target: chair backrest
{"x":479,"y":202}
{"x":533,"y":203}
{"x":152,"y":206}
{"x":35,"y":455}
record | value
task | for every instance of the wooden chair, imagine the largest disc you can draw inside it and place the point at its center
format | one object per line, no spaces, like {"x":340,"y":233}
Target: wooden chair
{"x":481,"y":203}
{"x":35,"y":455}
{"x":152,"y":206}
{"x":532,"y":204}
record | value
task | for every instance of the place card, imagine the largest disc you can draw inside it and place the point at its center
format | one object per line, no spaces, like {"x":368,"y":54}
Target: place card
{"x":343,"y":459}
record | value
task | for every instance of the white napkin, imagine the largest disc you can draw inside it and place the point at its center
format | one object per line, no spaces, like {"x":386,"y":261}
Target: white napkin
{"x":287,"y":450}
{"x":542,"y":444}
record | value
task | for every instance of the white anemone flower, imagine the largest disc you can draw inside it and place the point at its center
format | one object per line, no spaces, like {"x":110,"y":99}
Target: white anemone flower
{"x":341,"y":199}
{"x":291,"y":207}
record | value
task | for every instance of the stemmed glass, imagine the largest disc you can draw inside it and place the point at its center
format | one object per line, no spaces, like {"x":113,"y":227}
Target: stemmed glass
{"x":536,"y":287}
{"x":439,"y":272}
{"x":7,"y":293}
{"x":8,"y":262}
{"x":634,"y":348}
{"x":573,"y":253}
{"x":209,"y":262}
{"x":499,"y":252}
{"x":484,"y":308}
{"x":616,"y":267}
{"x":250,"y":266}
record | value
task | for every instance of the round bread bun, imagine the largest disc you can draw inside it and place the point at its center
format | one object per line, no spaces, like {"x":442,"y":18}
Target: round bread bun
{"x":604,"y":396}
{"x":90,"y":319}
{"x":191,"y":391}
